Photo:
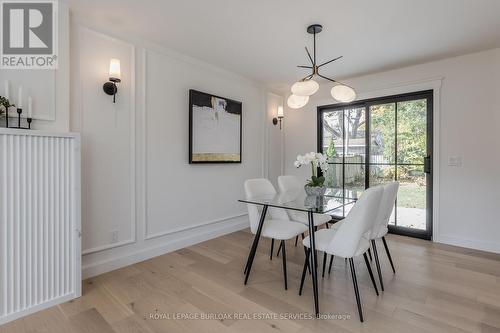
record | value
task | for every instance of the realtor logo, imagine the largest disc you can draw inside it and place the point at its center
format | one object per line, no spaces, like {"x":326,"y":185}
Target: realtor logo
{"x":29,"y":34}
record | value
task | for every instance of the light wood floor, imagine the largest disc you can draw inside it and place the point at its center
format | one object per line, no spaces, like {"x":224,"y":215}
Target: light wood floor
{"x":436,"y":288}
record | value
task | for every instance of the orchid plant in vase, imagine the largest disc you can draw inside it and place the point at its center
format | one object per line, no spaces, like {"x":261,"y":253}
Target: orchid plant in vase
{"x":314,"y":185}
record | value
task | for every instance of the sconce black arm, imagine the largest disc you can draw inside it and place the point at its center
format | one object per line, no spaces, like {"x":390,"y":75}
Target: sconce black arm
{"x":110,"y":87}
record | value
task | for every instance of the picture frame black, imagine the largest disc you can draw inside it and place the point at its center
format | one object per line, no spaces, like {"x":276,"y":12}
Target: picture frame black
{"x":195,"y":94}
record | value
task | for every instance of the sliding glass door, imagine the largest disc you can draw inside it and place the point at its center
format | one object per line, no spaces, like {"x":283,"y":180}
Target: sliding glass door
{"x":375,"y":141}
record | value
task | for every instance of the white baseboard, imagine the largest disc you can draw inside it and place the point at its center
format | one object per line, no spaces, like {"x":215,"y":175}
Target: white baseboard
{"x":195,"y":236}
{"x":469,"y":243}
{"x":36,"y":308}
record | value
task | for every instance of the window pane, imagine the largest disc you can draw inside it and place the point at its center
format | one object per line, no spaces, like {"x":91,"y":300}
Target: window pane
{"x":382,"y":125}
{"x":333,"y":176}
{"x":354,"y":177}
{"x":355,"y":135}
{"x":411,"y":202}
{"x":332,"y":135}
{"x":412,"y":131}
{"x":381,"y":174}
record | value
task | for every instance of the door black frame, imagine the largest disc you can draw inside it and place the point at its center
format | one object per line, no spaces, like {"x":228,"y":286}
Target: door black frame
{"x":426,"y":94}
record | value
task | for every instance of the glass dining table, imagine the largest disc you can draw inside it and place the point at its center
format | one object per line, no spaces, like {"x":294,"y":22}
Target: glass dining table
{"x":330,"y":203}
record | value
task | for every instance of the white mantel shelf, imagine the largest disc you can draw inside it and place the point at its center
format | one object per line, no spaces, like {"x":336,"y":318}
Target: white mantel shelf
{"x":15,"y":131}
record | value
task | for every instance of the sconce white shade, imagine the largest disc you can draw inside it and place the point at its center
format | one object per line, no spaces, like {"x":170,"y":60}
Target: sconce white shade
{"x":114,"y":69}
{"x":296,"y":102}
{"x":343,"y":93}
{"x":280,"y":112}
{"x":305,"y":88}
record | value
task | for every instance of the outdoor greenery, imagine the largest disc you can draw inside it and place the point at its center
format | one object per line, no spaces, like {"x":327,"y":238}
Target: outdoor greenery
{"x":411,"y":134}
{"x":411,"y":147}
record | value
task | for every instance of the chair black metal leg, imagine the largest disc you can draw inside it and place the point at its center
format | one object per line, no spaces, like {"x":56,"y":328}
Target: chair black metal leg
{"x":272,"y":249}
{"x":324,"y":264}
{"x":303,"y":236}
{"x":388,"y":254}
{"x":356,"y":290}
{"x":279,"y":250}
{"x":296,"y":239}
{"x":375,"y":253}
{"x":369,"y":267}
{"x":306,"y":266}
{"x":370,"y":254}
{"x":255,"y":243}
{"x":327,"y":226}
{"x":330,"y":266}
{"x":284,"y":263}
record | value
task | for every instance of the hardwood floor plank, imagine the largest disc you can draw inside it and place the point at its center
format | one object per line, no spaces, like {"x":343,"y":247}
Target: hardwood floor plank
{"x":437,"y":288}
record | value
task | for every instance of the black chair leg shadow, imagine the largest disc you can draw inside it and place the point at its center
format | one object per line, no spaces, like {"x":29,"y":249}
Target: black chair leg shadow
{"x":272,"y":249}
{"x":369,"y":267}
{"x":330,"y":266}
{"x":356,"y":289}
{"x":324,"y":264}
{"x":377,"y":262}
{"x":304,"y":270}
{"x":388,"y":254}
{"x":284,"y":263}
{"x":279,"y":249}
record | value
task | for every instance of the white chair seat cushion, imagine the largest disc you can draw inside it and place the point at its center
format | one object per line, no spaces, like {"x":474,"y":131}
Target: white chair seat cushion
{"x":319,"y":219}
{"x":282,"y":229}
{"x":323,"y":238}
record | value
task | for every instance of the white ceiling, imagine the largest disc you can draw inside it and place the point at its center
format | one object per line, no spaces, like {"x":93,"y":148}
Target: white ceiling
{"x":264,"y":39}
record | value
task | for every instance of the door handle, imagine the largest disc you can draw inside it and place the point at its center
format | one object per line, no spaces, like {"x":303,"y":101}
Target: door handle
{"x":427,"y":164}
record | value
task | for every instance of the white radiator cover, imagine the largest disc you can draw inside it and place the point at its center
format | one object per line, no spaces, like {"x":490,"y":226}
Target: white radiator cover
{"x":40,"y":260}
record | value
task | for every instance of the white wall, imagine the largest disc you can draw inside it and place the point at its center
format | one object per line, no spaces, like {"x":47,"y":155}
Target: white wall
{"x":138,"y":184}
{"x":274,"y":147}
{"x":469,"y":118}
{"x":48,"y":88}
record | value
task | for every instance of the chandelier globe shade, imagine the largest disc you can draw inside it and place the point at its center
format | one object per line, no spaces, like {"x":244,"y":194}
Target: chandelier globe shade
{"x":305,"y":88}
{"x":343,"y":93}
{"x":296,"y":102}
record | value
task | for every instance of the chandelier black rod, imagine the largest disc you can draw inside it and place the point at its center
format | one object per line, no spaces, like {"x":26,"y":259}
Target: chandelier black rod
{"x":314,"y":37}
{"x":327,"y":62}
{"x":326,"y":78}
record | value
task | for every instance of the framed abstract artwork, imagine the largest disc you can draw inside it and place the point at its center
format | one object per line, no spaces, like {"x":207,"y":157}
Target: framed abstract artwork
{"x":214,"y":129}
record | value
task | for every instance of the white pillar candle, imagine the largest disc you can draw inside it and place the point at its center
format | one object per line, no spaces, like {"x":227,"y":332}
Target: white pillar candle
{"x":30,"y":107}
{"x":7,"y":89}
{"x":20,"y":98}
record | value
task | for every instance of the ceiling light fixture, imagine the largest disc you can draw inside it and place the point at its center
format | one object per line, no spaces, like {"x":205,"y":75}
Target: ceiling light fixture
{"x":301,"y":90}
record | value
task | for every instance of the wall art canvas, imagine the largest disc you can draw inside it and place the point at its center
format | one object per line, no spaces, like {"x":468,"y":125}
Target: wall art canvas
{"x":214,"y":129}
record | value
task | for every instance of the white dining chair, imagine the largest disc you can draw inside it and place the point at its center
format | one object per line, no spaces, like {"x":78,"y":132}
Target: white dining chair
{"x":380,"y":228}
{"x":351,"y":239}
{"x":277,"y":224}
{"x":288,"y":183}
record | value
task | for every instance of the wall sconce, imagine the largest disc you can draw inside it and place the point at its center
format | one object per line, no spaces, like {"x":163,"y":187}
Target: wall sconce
{"x":110,"y":87}
{"x":280,"y":116}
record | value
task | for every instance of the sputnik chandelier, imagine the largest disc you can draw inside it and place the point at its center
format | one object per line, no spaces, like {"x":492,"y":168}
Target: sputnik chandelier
{"x":301,"y":90}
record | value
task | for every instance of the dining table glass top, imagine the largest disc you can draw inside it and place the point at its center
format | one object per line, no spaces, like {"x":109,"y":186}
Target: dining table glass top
{"x":333,"y":202}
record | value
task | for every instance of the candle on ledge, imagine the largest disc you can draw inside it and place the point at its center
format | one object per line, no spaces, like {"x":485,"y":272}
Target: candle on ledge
{"x":30,"y":107}
{"x":20,"y":98}
{"x":7,"y":89}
